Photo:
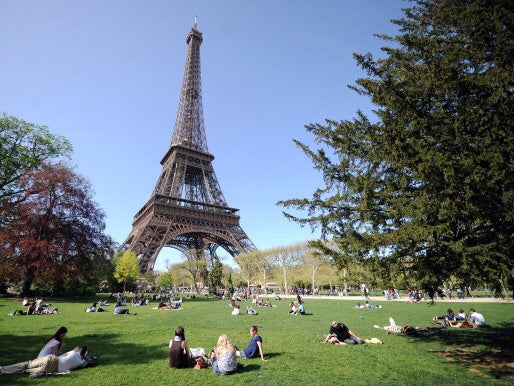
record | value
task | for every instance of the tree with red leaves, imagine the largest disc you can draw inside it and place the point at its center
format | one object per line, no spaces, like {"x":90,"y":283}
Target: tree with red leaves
{"x":54,"y":239}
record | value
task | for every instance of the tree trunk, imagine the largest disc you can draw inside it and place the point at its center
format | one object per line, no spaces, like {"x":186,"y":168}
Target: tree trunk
{"x":285,"y":281}
{"x":27,"y":282}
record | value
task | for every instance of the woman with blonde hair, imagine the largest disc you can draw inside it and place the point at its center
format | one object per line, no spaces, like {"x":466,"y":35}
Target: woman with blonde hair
{"x":223,"y":357}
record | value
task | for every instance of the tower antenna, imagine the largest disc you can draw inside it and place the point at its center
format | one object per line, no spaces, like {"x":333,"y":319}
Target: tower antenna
{"x":196,"y":19}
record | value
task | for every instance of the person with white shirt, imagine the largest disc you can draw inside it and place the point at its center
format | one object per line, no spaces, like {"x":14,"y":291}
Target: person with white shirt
{"x":48,"y":364}
{"x":476,"y":318}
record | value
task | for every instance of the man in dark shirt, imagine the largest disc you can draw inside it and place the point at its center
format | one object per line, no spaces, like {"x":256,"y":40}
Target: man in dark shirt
{"x":344,"y":334}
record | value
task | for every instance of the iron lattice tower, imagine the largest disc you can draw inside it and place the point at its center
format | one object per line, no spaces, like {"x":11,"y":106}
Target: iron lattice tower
{"x":187,"y":210}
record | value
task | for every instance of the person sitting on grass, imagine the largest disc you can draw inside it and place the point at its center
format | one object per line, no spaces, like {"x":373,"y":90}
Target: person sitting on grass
{"x":223,"y":357}
{"x":344,"y":334}
{"x":300,"y":309}
{"x":48,"y":364}
{"x":31,"y":310}
{"x":236,"y":311}
{"x":476,"y":318}
{"x":180,"y":355}
{"x":55,"y":344}
{"x":254,"y":347}
{"x":461,"y":315}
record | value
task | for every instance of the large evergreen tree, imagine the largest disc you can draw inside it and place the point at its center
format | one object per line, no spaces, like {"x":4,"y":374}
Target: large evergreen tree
{"x":427,"y":183}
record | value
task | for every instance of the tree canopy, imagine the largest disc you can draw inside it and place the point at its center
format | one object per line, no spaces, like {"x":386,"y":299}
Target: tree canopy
{"x":126,"y":268}
{"x":425,"y":185}
{"x":55,"y":238}
{"x":25,"y":146}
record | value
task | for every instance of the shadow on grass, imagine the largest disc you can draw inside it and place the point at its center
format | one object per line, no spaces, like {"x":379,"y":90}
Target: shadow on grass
{"x":501,"y":336}
{"x":106,"y":345}
{"x":488,"y":350}
{"x":243,"y":368}
{"x":272,"y":355}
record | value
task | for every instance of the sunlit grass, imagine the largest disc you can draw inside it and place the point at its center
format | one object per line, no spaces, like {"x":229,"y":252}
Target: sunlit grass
{"x":134,"y":349}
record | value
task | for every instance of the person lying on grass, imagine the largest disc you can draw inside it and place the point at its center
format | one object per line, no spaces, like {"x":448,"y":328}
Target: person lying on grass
{"x":393,"y":328}
{"x":50,"y":364}
{"x":332,"y":338}
{"x":118,"y":310}
{"x":169,"y":306}
{"x":460,"y":324}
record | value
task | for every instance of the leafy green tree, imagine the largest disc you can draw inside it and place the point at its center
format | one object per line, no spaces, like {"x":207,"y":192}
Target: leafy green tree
{"x":126,"y":268}
{"x":165,"y":280}
{"x":25,"y":146}
{"x":180,"y":276}
{"x":287,"y":258}
{"x":196,"y":265}
{"x":314,"y":263}
{"x":248,"y":269}
{"x":427,"y":183}
{"x":264,"y":264}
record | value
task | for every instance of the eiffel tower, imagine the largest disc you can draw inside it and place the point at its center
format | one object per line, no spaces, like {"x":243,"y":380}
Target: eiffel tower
{"x":187,"y":210}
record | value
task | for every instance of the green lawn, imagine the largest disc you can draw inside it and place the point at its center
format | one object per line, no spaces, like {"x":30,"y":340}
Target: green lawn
{"x":134,"y":349}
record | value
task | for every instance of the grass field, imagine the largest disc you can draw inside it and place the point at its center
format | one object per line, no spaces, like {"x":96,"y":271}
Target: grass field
{"x":134,"y":349}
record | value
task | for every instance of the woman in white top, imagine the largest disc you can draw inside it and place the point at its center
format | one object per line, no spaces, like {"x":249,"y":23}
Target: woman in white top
{"x":55,"y":344}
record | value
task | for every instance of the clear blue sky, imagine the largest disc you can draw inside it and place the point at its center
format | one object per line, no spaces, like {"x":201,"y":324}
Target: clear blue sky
{"x":107,"y":75}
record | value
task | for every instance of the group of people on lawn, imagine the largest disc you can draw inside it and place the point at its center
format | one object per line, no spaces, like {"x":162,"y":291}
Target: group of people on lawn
{"x":450,"y":319}
{"x":339,"y":334}
{"x":461,"y":320}
{"x":223,"y":357}
{"x":35,"y":307}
